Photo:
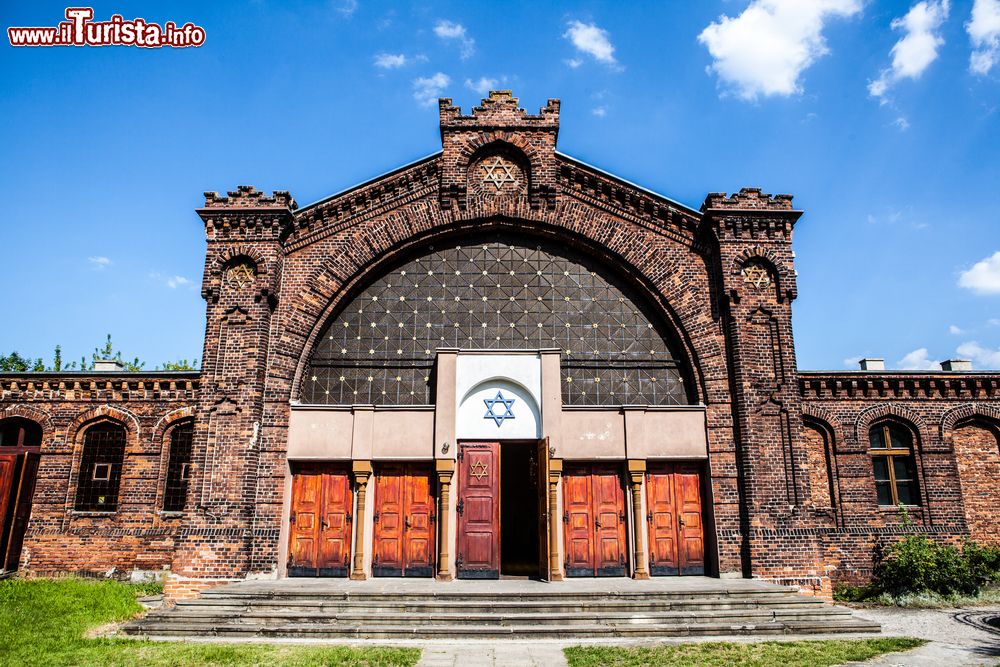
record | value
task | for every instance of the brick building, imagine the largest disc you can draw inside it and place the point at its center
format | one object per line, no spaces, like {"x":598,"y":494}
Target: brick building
{"x":497,"y":360}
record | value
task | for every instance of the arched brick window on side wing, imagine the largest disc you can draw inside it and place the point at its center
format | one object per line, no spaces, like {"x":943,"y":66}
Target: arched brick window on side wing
{"x":894,"y":465}
{"x":101,"y":468}
{"x":178,"y":467}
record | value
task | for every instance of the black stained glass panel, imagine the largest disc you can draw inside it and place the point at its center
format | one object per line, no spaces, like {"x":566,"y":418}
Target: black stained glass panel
{"x":495,"y":293}
{"x":101,"y":468}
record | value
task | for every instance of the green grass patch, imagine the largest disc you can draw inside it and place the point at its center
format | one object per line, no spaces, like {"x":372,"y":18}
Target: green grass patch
{"x":738,"y":654}
{"x":43,"y":622}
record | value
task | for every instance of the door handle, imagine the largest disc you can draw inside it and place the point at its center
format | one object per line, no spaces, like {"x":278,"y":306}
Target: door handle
{"x":598,"y":524}
{"x":375,"y":518}
{"x":407,"y":523}
{"x":649,"y":516}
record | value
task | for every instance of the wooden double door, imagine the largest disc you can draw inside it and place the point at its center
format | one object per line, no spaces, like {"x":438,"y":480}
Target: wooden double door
{"x":405,"y":521}
{"x":321,"y":520}
{"x":594,"y":520}
{"x":676,"y":528}
{"x":503,"y":518}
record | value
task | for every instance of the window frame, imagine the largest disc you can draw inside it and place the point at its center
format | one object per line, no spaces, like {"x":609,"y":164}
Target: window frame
{"x":890,"y":453}
{"x":87,"y":483}
{"x":183,"y":470}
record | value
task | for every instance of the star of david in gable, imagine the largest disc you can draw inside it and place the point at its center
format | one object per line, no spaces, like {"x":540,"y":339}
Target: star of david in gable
{"x":498,"y":408}
{"x":499,"y":172}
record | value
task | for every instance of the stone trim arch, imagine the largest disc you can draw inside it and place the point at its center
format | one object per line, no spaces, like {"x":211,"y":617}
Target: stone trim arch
{"x":40,"y":417}
{"x":369,"y":256}
{"x":110,"y":412}
{"x":168,"y":421}
{"x":953,"y":419}
{"x":784,"y":279}
{"x":267,"y":271}
{"x":892,"y":410}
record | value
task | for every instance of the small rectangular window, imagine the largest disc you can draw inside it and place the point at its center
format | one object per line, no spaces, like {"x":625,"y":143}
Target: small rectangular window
{"x":102,"y":472}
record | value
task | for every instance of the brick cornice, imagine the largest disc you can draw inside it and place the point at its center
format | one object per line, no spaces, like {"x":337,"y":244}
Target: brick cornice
{"x":849,"y":385}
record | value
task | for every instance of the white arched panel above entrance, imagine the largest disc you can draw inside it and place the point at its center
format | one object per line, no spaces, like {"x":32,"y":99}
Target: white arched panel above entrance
{"x":498,"y":396}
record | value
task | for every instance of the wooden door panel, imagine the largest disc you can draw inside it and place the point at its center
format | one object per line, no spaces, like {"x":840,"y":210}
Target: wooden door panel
{"x":320,"y":526}
{"x":677,"y":540}
{"x":479,"y":516}
{"x":335,"y":526}
{"x":303,"y":551}
{"x":24,"y":491}
{"x":387,"y":558}
{"x":418,"y":523}
{"x":609,"y":508}
{"x":687,"y":485}
{"x":544,"y":524}
{"x":578,"y":522}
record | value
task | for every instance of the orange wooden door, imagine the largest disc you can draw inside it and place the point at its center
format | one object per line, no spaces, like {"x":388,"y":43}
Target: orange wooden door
{"x":22,"y":490}
{"x":8,"y":468}
{"x":578,"y":521}
{"x":594,"y":521}
{"x":676,"y":530}
{"x":479,"y":510}
{"x":320,"y":525}
{"x":335,"y":526}
{"x":419,"y":523}
{"x":404,"y":521}
{"x":609,"y":524}
{"x":303,"y":549}
{"x":661,"y":515}
{"x":691,"y":542}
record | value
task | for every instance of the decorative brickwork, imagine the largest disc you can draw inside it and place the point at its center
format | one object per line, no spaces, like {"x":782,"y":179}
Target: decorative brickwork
{"x":791,"y":493}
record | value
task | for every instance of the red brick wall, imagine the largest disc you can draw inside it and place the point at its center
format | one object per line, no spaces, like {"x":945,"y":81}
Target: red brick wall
{"x":978,"y":453}
{"x":137,"y":535}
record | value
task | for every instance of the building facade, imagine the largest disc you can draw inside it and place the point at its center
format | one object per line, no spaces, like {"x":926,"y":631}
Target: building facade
{"x":494,"y":361}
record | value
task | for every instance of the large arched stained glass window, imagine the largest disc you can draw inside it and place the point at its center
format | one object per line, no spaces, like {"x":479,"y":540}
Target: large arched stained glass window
{"x":495,"y":293}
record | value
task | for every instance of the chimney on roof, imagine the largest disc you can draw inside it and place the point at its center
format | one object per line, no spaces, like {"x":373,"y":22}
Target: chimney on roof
{"x":108,"y":366}
{"x":872,"y":364}
{"x":956,"y":365}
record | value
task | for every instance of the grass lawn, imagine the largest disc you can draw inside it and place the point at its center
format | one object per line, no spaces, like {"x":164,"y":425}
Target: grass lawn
{"x":43,"y":622}
{"x":735,"y":654}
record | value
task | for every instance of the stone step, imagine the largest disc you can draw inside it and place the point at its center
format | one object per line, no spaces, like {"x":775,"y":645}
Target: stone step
{"x":229,"y":605}
{"x":484,"y":618}
{"x":232,"y":593}
{"x":298,"y":630}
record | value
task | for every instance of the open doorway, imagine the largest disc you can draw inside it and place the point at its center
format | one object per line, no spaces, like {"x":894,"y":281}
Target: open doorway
{"x":503,"y":518}
{"x":519,"y":497}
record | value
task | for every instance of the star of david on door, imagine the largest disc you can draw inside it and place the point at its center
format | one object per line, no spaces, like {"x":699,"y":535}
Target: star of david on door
{"x":501,"y":404}
{"x":499,"y":173}
{"x":479,"y":470}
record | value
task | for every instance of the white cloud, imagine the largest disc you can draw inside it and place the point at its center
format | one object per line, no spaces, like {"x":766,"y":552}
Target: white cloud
{"x":347,"y":7}
{"x":390,"y":60}
{"x":483,"y":86}
{"x":984,"y":276}
{"x":984,"y":33}
{"x":764,"y":50}
{"x":449,"y":31}
{"x":917,"y":48}
{"x":99,"y":263}
{"x":994,"y":321}
{"x":173,"y":282}
{"x":592,"y":40}
{"x":982,"y":357}
{"x":427,"y":90}
{"x":600,"y":111}
{"x":918,"y":361}
{"x":902,"y":123}
{"x":852,"y":362}
{"x":573,"y":63}
{"x":955,"y":331}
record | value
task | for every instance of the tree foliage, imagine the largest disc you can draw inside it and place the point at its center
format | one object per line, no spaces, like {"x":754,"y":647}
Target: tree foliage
{"x":15,"y":363}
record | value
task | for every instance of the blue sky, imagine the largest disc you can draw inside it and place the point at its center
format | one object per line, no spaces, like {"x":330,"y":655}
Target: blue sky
{"x":880,"y":117}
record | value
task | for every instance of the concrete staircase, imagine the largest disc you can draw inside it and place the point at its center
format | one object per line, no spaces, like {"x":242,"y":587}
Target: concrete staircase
{"x":471,"y":610}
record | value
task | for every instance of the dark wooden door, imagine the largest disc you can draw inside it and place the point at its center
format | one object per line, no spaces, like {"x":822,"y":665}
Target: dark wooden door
{"x":478,"y":510}
{"x":404,"y":521}
{"x":544,"y":525}
{"x":676,"y":531}
{"x":594,"y":520}
{"x":320,"y":530}
{"x":20,"y":513}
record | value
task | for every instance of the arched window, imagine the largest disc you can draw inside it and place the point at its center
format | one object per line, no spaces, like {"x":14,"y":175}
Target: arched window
{"x":19,"y":432}
{"x":101,"y":468}
{"x":497,"y":292}
{"x":895,"y":467}
{"x":178,"y":468}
